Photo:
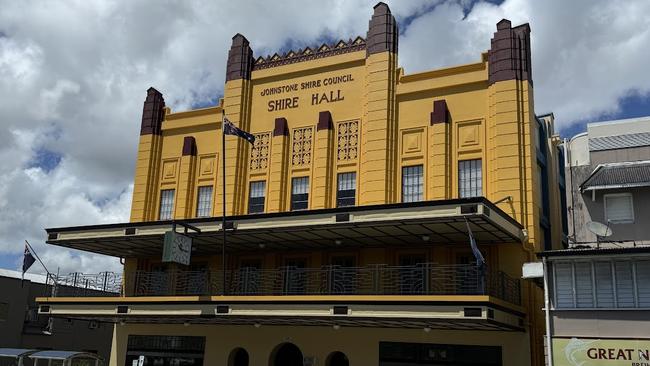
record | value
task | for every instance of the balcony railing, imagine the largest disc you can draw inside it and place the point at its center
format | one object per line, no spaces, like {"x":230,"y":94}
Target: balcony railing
{"x":421,"y":279}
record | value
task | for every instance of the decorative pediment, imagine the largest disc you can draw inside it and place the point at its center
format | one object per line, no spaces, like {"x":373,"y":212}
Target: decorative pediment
{"x":309,"y":53}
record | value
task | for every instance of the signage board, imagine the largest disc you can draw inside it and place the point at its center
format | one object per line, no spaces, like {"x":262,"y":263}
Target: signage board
{"x":600,"y":352}
{"x":177,"y":248}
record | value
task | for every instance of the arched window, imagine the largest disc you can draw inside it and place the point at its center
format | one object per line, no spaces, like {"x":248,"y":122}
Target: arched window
{"x":286,"y":354}
{"x":337,"y":359}
{"x":238,"y":357}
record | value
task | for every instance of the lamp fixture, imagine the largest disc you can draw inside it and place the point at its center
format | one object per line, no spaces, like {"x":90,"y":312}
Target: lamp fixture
{"x":336,"y":327}
{"x":426,"y":238}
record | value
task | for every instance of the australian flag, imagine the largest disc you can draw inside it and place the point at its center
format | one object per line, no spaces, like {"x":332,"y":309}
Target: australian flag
{"x":230,"y":129}
{"x":28,"y":259}
{"x":480,"y":261}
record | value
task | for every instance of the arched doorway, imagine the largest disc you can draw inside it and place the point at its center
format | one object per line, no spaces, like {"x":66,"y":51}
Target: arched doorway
{"x":238,"y":357}
{"x":287,"y":354}
{"x":337,"y":359}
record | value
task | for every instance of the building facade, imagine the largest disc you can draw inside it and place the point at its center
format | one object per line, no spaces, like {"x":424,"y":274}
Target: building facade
{"x":608,"y":170}
{"x":21,"y":326}
{"x":348,"y":220}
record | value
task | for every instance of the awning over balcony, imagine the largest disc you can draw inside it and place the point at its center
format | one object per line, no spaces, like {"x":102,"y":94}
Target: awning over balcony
{"x":431,"y":222}
{"x":618,"y":175}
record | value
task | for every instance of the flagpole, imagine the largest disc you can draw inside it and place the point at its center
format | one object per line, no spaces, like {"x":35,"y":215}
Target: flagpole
{"x":36,"y":255}
{"x":223,"y":187}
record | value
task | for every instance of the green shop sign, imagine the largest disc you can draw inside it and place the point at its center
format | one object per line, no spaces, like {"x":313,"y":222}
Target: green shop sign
{"x":600,"y":352}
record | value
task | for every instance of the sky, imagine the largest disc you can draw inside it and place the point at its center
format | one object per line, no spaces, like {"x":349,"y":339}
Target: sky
{"x":74,"y":75}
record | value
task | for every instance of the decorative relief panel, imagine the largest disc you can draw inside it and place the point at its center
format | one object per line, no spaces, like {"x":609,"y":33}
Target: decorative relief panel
{"x":169,"y":170}
{"x":206,"y":166}
{"x":302,"y":143}
{"x":348,"y":140}
{"x":469,"y":134}
{"x":260,"y":151}
{"x":412,"y":142}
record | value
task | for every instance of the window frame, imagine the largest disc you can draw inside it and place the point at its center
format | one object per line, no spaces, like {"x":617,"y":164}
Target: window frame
{"x":479,"y":185}
{"x":420,"y":192}
{"x":173,"y":204}
{"x":293,"y":201}
{"x":209,"y":201}
{"x":250,"y":197}
{"x":617,"y":195}
{"x":339,"y":192}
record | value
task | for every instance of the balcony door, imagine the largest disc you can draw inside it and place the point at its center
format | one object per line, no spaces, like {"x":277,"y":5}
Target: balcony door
{"x":342,"y":275}
{"x":412,"y":273}
{"x":248,"y":280}
{"x":295,"y":276}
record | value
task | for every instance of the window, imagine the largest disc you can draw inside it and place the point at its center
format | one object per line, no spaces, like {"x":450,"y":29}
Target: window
{"x":619,"y":208}
{"x":412,"y":183}
{"x":204,"y":202}
{"x":470,"y":178}
{"x":347,"y":188}
{"x":300,"y":193}
{"x":166,"y":204}
{"x":620,"y":283}
{"x":256,"y":197}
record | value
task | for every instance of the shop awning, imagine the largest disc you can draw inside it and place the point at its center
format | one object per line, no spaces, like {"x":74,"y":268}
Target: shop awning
{"x":618,"y":175}
{"x":430,"y":222}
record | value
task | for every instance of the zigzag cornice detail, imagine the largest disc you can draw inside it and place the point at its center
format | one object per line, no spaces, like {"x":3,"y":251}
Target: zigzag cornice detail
{"x":309,"y":53}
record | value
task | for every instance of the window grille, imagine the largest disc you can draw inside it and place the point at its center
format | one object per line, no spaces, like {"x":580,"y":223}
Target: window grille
{"x":166,"y":204}
{"x":470,"y":178}
{"x":412,"y":183}
{"x":204,"y":202}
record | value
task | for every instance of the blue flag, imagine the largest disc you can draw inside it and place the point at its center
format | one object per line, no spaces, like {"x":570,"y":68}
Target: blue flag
{"x":28,"y":259}
{"x":230,"y":129}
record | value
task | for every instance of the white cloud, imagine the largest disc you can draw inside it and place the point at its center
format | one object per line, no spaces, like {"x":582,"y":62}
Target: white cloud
{"x":74,"y":75}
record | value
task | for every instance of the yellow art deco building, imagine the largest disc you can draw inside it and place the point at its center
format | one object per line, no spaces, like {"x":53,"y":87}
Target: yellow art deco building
{"x":348,"y":220}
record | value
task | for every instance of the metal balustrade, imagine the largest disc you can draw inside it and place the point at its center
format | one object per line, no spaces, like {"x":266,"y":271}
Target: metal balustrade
{"x":421,"y":279}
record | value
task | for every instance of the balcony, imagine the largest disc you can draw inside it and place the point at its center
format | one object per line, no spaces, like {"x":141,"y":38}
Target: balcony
{"x":373,"y":280}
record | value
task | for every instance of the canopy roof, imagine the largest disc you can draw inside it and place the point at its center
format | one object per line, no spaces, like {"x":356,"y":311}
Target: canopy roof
{"x":15,"y":352}
{"x":429,"y":222}
{"x":63,"y":355}
{"x":618,"y":175}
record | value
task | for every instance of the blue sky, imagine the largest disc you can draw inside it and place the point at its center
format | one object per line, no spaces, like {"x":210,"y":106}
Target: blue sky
{"x":71,"y":92}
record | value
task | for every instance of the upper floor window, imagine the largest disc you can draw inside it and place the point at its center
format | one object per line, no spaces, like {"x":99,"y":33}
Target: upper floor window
{"x":166,"y":204}
{"x":619,"y":208}
{"x":204,"y":202}
{"x":300,"y":193}
{"x":470,"y":178}
{"x":412,"y":183}
{"x":602,"y":283}
{"x":347,"y":188}
{"x":256,"y":197}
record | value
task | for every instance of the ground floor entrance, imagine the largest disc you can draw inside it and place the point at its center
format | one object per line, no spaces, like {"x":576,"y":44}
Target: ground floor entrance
{"x":279,"y":345}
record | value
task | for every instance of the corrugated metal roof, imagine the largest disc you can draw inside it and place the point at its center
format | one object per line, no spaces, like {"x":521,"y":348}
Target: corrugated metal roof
{"x":594,"y":251}
{"x":619,"y":175}
{"x":619,"y":141}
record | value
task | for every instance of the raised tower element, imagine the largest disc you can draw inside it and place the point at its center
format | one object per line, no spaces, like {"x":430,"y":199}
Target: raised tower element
{"x":152,"y":113}
{"x":382,"y":31}
{"x":240,"y":59}
{"x":147,"y":168}
{"x":236,"y":104}
{"x":379,"y":142}
{"x":509,"y":55}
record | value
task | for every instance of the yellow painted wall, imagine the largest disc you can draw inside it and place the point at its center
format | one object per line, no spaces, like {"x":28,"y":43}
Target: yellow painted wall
{"x":361,"y":345}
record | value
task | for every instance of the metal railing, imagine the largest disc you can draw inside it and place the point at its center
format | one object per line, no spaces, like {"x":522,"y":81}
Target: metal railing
{"x":421,"y":279}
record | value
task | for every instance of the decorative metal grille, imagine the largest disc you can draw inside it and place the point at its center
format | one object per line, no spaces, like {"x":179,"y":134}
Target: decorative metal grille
{"x":302,"y":143}
{"x":260,"y":151}
{"x":348,"y":140}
